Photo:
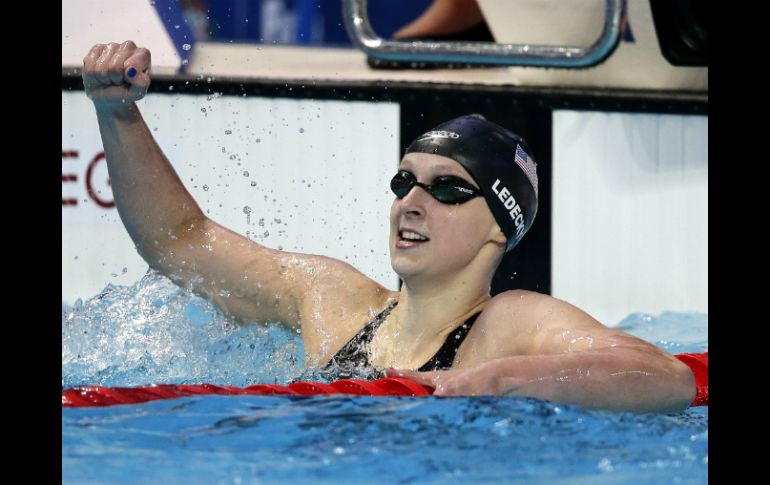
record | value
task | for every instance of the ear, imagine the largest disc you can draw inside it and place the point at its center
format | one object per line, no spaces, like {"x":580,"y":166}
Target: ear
{"x":498,"y":236}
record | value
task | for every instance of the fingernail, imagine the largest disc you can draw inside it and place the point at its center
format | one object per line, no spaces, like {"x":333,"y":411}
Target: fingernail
{"x":131,"y":72}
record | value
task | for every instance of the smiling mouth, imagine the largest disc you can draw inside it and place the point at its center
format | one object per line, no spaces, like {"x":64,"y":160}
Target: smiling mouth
{"x":410,"y":238}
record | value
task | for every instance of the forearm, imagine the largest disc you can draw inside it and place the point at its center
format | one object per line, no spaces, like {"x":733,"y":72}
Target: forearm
{"x":152,"y":202}
{"x":626,"y":379}
{"x":443,"y":17}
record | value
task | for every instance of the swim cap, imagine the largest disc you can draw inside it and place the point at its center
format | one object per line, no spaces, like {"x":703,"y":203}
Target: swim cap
{"x":499,"y":161}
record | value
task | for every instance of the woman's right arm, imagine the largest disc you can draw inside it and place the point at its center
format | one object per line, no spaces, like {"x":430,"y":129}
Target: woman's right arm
{"x":247,"y":280}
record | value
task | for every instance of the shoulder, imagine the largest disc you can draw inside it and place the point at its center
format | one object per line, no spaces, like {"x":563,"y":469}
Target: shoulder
{"x":530,"y":313}
{"x":502,"y":329}
{"x":534,"y":304}
{"x":344,"y":283}
{"x":512,"y":297}
{"x":518,"y":303}
{"x":521,"y":322}
{"x":339,"y":302}
{"x":516,"y":313}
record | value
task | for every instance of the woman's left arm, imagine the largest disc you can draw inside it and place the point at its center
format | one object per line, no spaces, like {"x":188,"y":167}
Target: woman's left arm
{"x":565,"y":355}
{"x":622,"y":379}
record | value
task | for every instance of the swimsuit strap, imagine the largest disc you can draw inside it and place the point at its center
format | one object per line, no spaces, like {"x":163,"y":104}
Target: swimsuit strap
{"x":356,"y":350}
{"x":445,"y":356}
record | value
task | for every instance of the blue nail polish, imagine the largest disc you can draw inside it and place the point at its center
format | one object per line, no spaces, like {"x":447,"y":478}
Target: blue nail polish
{"x":131,"y":72}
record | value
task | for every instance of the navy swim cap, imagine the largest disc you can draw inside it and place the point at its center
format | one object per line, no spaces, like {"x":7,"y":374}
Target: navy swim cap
{"x":499,"y":161}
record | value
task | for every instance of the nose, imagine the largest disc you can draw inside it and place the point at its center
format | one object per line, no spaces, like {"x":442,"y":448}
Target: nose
{"x":413,"y":203}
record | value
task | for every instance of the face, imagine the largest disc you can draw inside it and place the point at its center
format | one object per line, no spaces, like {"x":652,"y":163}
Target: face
{"x":430,"y":238}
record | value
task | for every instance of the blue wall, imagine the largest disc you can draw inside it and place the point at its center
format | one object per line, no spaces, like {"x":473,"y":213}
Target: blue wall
{"x":316,"y":22}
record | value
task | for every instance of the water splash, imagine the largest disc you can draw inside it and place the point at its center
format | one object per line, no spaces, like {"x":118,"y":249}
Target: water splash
{"x":155,"y":331}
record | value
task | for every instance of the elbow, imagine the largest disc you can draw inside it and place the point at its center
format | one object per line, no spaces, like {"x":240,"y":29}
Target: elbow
{"x":161,"y":248}
{"x":677,"y":386}
{"x":681,"y":391}
{"x":159,"y":256}
{"x":687,"y":385}
{"x":671,"y":390}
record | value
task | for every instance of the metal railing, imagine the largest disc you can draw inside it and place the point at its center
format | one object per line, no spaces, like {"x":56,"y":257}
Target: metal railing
{"x":484,"y":53}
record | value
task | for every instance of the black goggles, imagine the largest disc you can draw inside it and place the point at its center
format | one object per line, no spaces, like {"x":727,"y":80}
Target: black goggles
{"x":446,"y":189}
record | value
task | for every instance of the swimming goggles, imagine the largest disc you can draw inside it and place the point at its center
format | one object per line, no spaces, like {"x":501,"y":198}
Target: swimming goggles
{"x":446,"y":189}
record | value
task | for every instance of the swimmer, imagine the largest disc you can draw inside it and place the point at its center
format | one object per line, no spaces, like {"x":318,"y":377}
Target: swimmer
{"x":465,"y":194}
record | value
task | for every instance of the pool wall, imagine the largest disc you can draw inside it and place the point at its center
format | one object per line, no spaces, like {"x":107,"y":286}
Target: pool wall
{"x":303,"y":163}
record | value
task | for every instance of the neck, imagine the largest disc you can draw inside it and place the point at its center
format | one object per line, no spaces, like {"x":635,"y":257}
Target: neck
{"x":429,"y":310}
{"x":423,"y":319}
{"x":431,"y":307}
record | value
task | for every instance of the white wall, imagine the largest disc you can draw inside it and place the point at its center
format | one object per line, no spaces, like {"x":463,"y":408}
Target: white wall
{"x":630,"y":212}
{"x":321,"y":168}
{"x":636,"y":65}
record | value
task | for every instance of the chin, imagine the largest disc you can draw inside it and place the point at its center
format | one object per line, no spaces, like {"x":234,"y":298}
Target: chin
{"x":404,"y":269}
{"x":400,"y":268}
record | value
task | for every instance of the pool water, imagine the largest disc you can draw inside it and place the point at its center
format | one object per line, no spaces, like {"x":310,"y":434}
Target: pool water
{"x":155,"y":332}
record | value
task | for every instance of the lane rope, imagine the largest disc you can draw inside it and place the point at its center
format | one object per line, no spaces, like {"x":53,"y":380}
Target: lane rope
{"x":96,"y":396}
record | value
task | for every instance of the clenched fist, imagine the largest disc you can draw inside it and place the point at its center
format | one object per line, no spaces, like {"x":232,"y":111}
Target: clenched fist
{"x":116,"y":73}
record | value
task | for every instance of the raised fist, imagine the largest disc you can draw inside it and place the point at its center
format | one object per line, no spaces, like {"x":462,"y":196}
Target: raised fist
{"x":116,"y":73}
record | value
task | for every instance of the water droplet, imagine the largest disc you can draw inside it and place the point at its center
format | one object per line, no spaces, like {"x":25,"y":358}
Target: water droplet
{"x":228,"y":132}
{"x":186,"y":47}
{"x":245,"y":173}
{"x":253,"y":184}
{"x":206,"y":188}
{"x":301,"y":130}
{"x":246,"y":209}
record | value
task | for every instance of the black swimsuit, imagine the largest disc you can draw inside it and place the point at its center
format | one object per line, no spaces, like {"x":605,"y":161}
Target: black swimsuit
{"x":352,"y":360}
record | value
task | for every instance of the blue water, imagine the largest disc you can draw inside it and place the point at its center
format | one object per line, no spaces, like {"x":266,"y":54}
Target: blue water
{"x":156,"y":332}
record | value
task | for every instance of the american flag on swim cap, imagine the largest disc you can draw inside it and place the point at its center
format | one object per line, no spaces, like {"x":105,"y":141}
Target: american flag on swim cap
{"x":528,"y":165}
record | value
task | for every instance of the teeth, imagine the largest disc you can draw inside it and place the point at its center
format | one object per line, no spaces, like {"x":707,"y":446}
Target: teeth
{"x":413,"y":236}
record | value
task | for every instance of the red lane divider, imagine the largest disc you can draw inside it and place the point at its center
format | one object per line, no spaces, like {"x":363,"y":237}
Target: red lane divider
{"x":92,"y":396}
{"x":699,"y":365}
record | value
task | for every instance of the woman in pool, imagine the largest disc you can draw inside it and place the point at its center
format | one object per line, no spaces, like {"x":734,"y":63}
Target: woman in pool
{"x":466,"y":192}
